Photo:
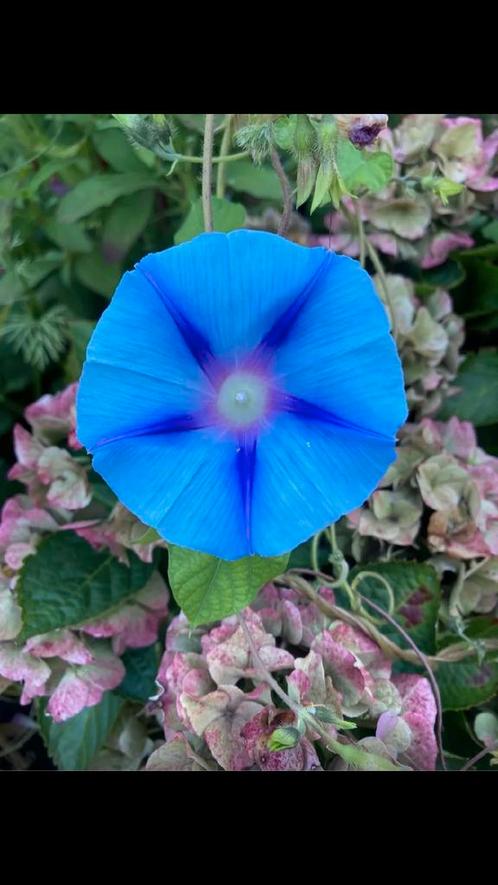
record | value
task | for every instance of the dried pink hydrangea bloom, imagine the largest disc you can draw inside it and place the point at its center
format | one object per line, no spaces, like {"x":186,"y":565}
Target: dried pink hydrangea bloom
{"x":53,"y":417}
{"x":440,"y":467}
{"x":465,"y":155}
{"x":230,"y":725}
{"x":84,"y":686}
{"x":63,"y":665}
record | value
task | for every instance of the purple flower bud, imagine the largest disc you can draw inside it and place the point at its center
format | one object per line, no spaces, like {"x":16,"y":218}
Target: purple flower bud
{"x":58,"y":186}
{"x":362,"y":129}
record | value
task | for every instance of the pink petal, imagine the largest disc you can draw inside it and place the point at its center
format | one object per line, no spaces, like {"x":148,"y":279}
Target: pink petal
{"x":17,"y":666}
{"x":28,"y":450}
{"x":422,"y":752}
{"x":59,"y":643}
{"x":441,"y":246}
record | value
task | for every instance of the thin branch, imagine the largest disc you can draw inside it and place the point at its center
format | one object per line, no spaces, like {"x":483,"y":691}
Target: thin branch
{"x":315,"y":541}
{"x":207,"y":172}
{"x":456,"y":652}
{"x":425,"y":663}
{"x":378,"y":577}
{"x":377,"y":263}
{"x":361,"y":234}
{"x":268,"y":678}
{"x":476,"y":758}
{"x":286,"y":193}
{"x":190,"y":158}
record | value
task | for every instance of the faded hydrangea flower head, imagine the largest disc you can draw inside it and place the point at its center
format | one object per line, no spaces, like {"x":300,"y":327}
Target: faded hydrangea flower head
{"x":72,"y":667}
{"x":443,"y":477}
{"x":209,"y":719}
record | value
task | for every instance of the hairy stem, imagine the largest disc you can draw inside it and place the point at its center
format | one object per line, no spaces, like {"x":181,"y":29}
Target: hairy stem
{"x":286,"y":193}
{"x":207,"y":172}
{"x":225,"y":144}
{"x":188,"y":158}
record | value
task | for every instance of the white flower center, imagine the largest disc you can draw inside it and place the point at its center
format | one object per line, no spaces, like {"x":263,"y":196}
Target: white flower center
{"x":242,"y":398}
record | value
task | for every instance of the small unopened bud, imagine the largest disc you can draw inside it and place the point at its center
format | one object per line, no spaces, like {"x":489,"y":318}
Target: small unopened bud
{"x":283,"y":739}
{"x":304,"y":136}
{"x":443,"y":187}
{"x":150,"y":131}
{"x":362,"y":129}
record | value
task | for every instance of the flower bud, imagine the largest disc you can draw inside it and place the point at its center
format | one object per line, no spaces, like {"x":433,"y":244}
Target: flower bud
{"x":362,"y":129}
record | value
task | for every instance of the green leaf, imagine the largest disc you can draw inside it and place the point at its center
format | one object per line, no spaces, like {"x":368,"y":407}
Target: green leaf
{"x":306,"y":177}
{"x":481,"y":627}
{"x":323,"y":185}
{"x":125,"y":222}
{"x":67,"y":582}
{"x":208,"y":588}
{"x":101,"y":190}
{"x":360,"y":169}
{"x":97,"y":274}
{"x":375,"y":173}
{"x":284,"y":130}
{"x":490,"y":231}
{"x":443,"y":187}
{"x":6,"y":422}
{"x":36,"y":270}
{"x":70,"y":237}
{"x":73,"y":744}
{"x":478,"y":381}
{"x":79,"y":332}
{"x":141,"y":665}
{"x":11,"y":289}
{"x":446,"y":276}
{"x":482,"y":287}
{"x":45,"y":172}
{"x":149,"y":536}
{"x":458,"y":735}
{"x":14,"y":372}
{"x":226,"y":217}
{"x":489,"y":251}
{"x":464,"y":685}
{"x":283,"y":738}
{"x":258,"y":181}
{"x":417,"y":595}
{"x":113,"y":145}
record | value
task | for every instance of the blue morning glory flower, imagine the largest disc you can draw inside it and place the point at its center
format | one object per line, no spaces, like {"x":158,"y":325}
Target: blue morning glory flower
{"x":242,"y":392}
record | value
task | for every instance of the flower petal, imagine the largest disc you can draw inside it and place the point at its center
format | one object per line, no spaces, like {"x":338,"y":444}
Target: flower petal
{"x":340,"y":356}
{"x":308,"y":474}
{"x":235,"y":285}
{"x":138,"y":367}
{"x":185,"y":485}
